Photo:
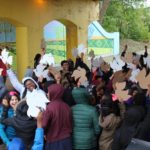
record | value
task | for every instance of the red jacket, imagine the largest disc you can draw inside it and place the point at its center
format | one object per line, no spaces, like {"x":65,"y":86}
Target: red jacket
{"x":3,"y":66}
{"x":57,"y":119}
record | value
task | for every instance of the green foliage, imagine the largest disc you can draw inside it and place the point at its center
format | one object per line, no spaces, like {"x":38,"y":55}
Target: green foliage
{"x":129,"y":18}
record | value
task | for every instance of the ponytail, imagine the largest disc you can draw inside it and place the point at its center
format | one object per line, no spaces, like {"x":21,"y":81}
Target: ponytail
{"x":24,"y":93}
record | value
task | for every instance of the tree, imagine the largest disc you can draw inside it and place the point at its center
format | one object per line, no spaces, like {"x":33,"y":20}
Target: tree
{"x":103,"y":8}
{"x":104,"y":4}
{"x":129,"y":18}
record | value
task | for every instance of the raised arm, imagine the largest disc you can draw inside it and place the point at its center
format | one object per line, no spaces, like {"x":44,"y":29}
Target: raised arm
{"x":124,"y":51}
{"x":39,"y":134}
{"x":14,"y":81}
{"x":146,"y":52}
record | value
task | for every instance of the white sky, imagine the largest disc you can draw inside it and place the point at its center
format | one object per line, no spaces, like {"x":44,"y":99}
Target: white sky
{"x":147,"y":3}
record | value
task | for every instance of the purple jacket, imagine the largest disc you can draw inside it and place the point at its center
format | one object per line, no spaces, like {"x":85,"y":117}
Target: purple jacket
{"x":57,"y":119}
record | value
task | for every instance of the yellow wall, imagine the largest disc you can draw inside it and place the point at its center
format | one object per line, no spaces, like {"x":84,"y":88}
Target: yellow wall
{"x":30,"y":16}
{"x":21,"y":49}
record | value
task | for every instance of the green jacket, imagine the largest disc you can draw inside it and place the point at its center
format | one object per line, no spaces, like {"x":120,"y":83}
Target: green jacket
{"x":85,"y":121}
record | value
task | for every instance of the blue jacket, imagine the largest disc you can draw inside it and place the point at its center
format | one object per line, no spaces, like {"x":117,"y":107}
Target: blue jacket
{"x":18,"y":144}
{"x":38,"y":140}
{"x":7,"y":133}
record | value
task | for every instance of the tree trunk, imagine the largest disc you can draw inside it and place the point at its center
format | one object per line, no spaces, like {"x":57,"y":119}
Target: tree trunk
{"x":103,"y":8}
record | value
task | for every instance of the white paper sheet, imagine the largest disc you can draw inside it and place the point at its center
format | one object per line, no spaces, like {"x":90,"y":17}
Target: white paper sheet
{"x":47,"y":59}
{"x":36,"y":100}
{"x":6,"y":58}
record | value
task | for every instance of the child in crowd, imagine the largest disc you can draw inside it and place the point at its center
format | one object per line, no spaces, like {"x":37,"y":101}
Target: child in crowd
{"x":109,"y":121}
{"x":25,"y":127}
{"x":11,"y":99}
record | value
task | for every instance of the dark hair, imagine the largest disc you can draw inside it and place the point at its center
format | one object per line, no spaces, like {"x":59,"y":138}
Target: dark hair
{"x":106,"y":105}
{"x":47,"y":84}
{"x":0,"y":51}
{"x":139,"y":99}
{"x":64,"y":61}
{"x":98,"y":77}
{"x":101,"y":86}
{"x":71,"y":65}
{"x":31,"y":81}
{"x":134,"y":54}
{"x":109,"y":106}
{"x":125,"y":68}
{"x":75,"y":82}
{"x":36,"y":59}
{"x":25,"y":90}
{"x":9,"y":95}
{"x":24,"y":93}
{"x":22,"y":108}
{"x":134,"y":88}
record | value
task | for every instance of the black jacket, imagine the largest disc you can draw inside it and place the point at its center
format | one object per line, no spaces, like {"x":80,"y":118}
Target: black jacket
{"x":128,"y":129}
{"x":25,"y":127}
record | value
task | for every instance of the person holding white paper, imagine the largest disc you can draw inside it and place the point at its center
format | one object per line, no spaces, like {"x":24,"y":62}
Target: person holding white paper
{"x":27,"y":86}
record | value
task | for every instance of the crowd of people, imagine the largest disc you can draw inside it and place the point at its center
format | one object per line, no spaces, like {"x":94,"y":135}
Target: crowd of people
{"x":78,"y":116}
